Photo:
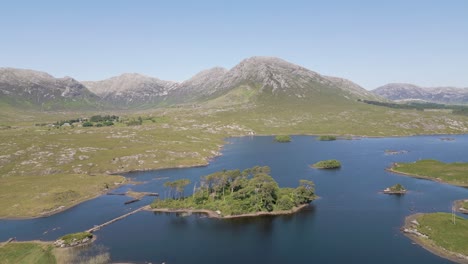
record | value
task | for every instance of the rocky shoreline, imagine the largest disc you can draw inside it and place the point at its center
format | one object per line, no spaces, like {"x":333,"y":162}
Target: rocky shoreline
{"x":387,"y":191}
{"x":60,"y":243}
{"x":218,"y":214}
{"x":458,"y":206}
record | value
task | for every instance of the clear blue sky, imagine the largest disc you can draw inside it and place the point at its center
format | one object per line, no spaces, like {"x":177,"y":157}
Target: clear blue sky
{"x":370,"y":42}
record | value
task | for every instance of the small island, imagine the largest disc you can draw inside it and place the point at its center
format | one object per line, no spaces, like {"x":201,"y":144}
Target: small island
{"x":327,"y":164}
{"x":73,"y":240}
{"x":235,"y":193}
{"x":326,"y":138}
{"x":441,"y":233}
{"x":283,"y":138}
{"x":395,"y":189}
{"x":451,"y":173}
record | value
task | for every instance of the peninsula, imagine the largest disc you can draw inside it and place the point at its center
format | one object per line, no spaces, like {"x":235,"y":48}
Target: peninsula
{"x":441,"y":233}
{"x":451,"y":173}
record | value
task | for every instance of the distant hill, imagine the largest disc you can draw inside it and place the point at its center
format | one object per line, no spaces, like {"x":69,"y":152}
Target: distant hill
{"x":267,"y":77}
{"x":39,"y":90}
{"x":131,"y":90}
{"x":265,"y":80}
{"x":410,"y":92}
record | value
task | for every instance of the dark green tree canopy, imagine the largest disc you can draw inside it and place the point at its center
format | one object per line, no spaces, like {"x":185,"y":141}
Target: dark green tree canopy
{"x":238,"y":192}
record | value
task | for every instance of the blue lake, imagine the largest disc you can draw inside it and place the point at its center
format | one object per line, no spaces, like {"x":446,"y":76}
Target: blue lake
{"x":351,"y":222}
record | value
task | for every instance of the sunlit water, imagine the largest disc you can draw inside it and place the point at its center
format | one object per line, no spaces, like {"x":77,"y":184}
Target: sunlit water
{"x":352,"y":221}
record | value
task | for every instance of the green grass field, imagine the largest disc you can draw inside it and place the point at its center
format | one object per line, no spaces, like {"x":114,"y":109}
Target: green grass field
{"x":36,"y":195}
{"x":27,"y":253}
{"x":452,"y":173}
{"x":441,"y":230}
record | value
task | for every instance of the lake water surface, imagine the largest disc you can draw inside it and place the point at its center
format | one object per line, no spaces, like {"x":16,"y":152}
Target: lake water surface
{"x":352,"y":221}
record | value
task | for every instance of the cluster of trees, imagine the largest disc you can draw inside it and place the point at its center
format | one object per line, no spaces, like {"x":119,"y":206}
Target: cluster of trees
{"x":237,"y":192}
{"x":327,"y":164}
{"x":100,"y":118}
{"x":105,"y":123}
{"x":415,"y":106}
{"x":456,"y":109}
{"x":283,"y":138}
{"x":177,"y":188}
{"x":135,"y":122}
{"x":327,"y":138}
{"x":397,"y":188}
{"x":96,"y":120}
{"x":100,"y":121}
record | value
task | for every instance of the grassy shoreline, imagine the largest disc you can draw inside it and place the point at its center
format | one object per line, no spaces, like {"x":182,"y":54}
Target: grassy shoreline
{"x":41,"y":252}
{"x":431,"y":170}
{"x":26,"y":207}
{"x":428,"y":243}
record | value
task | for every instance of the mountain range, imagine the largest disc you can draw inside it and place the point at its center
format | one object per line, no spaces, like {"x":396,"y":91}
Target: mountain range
{"x":257,"y":79}
{"x":28,"y":88}
{"x":410,"y":92}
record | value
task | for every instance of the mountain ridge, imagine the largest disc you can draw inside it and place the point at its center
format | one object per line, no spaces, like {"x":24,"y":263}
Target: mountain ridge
{"x":33,"y":89}
{"x":267,"y":77}
{"x":407,"y":91}
{"x":128,"y":88}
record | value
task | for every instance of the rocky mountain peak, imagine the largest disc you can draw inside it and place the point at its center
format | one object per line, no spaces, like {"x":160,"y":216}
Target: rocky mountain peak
{"x":273,"y":74}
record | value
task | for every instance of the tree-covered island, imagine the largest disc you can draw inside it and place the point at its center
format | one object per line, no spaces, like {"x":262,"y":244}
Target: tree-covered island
{"x":283,"y":138}
{"x":395,"y":189}
{"x":326,"y":138}
{"x":327,"y":164}
{"x":235,"y":193}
